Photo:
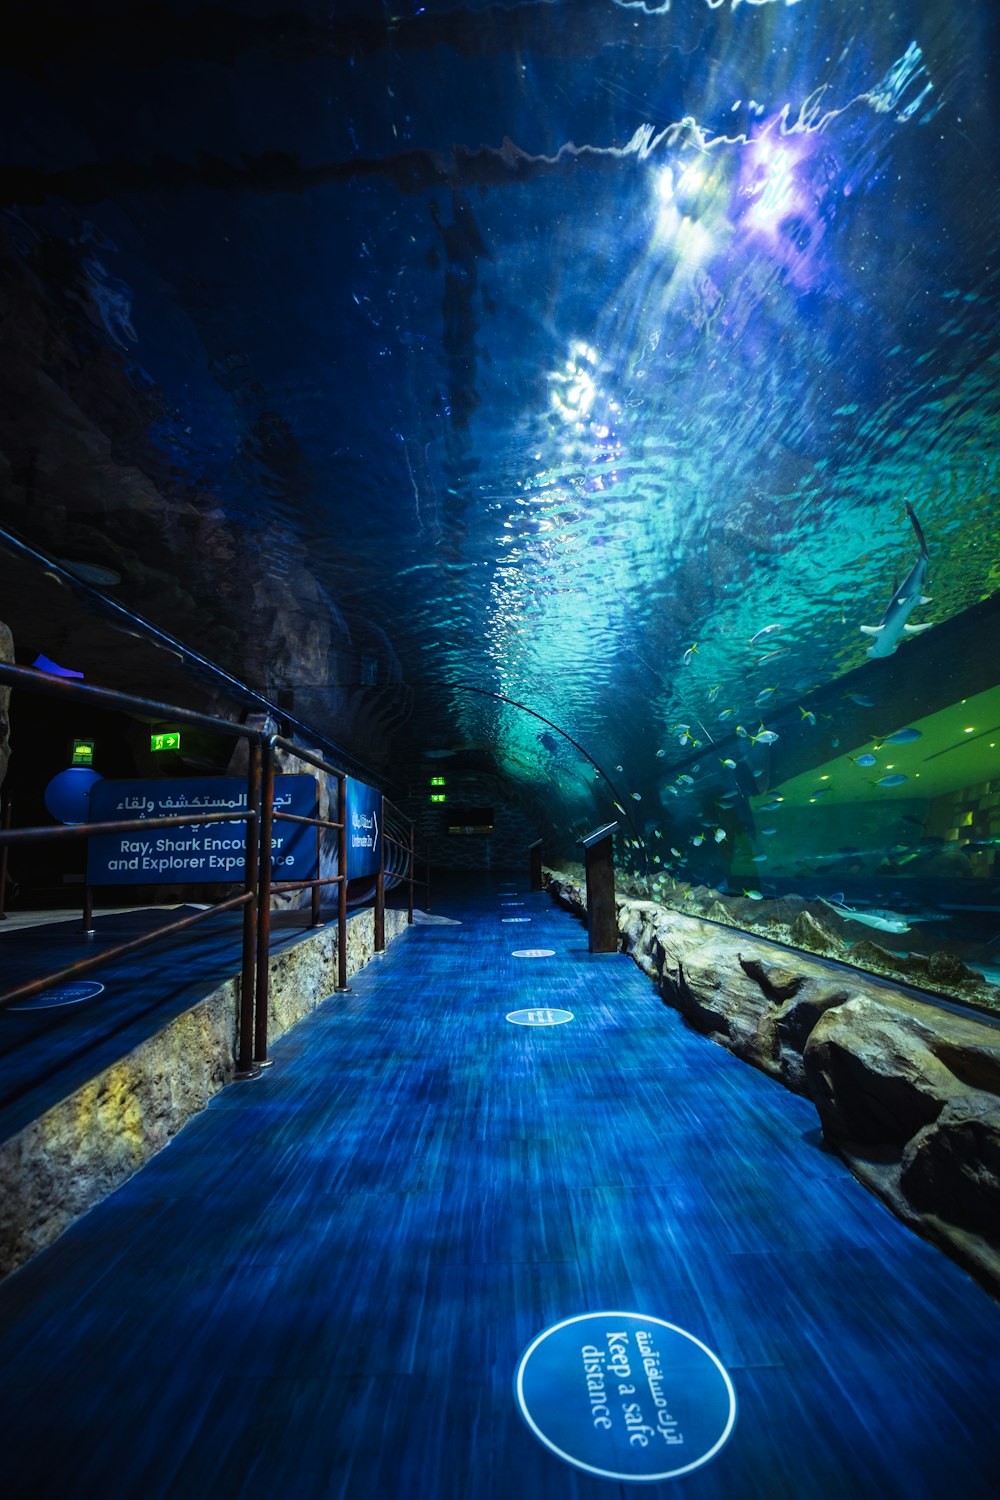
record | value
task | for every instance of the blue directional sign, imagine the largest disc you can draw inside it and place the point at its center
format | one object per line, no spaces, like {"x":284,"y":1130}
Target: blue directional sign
{"x":195,"y":853}
{"x":625,"y":1396}
{"x":364,"y":829}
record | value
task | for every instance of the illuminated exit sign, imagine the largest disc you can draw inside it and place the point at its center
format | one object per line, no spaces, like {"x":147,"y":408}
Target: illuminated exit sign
{"x":83,"y":752}
{"x":168,"y":740}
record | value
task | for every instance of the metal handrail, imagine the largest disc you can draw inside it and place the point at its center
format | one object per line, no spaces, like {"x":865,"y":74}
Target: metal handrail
{"x":411,"y":848}
{"x":84,"y":965}
{"x":258,"y":884}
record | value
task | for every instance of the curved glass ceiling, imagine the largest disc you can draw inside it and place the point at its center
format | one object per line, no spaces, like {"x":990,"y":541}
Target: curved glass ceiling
{"x":546,"y":377}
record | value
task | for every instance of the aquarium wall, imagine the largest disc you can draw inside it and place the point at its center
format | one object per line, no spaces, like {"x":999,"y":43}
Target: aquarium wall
{"x":598,"y":398}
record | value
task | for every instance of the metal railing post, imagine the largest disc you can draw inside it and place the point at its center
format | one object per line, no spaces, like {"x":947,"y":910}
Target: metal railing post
{"x":4,"y":823}
{"x":88,"y":911}
{"x":380,"y":890}
{"x":248,"y":972}
{"x":315,"y":914}
{"x":264,"y":902}
{"x":342,"y":986}
{"x":412,"y":873}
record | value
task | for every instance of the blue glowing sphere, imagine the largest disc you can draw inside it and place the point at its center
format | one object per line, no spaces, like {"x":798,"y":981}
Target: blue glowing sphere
{"x":67,"y":795}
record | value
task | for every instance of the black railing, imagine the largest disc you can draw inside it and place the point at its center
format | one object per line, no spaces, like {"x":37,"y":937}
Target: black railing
{"x":258,"y":884}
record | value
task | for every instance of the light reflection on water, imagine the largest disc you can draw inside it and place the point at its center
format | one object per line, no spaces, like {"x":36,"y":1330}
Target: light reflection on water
{"x":615,"y":416}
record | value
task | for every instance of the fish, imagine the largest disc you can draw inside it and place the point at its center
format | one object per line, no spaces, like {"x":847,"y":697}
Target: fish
{"x":719,"y":835}
{"x":860,"y":700}
{"x":863,"y":760}
{"x":636,"y":796}
{"x":887,"y":634}
{"x":660,"y":754}
{"x":675,"y":852}
{"x":807,"y":714}
{"x":730,"y":765}
{"x":901,"y":737}
{"x":685,"y":779}
{"x":698,"y":840}
{"x":727,"y":713}
{"x":774,"y":803}
{"x":758,"y":859}
{"x":692,"y":650}
{"x":764,"y":694}
{"x":878,"y":917}
{"x":767,"y":630}
{"x":754,"y":895}
{"x":768,"y":833}
{"x":896,"y":779}
{"x":714,"y":692}
{"x":619,"y":768}
{"x":763,"y":737}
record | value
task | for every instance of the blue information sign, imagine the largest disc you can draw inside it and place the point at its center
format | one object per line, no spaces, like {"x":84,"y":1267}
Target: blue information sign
{"x":195,"y":853}
{"x":625,"y":1396}
{"x":364,"y":829}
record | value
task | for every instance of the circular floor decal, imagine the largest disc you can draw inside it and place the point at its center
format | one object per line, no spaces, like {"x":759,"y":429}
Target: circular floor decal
{"x":63,"y":994}
{"x":533,"y":953}
{"x":540,"y":1017}
{"x":625,"y":1396}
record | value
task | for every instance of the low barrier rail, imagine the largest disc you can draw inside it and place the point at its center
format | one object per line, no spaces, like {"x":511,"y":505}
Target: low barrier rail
{"x":259,"y":885}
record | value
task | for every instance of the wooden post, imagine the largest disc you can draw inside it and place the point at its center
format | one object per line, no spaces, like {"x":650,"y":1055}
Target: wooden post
{"x":602,"y":917}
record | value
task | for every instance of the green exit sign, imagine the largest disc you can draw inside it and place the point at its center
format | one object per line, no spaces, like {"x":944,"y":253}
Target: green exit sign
{"x":83,"y":752}
{"x":169,"y":740}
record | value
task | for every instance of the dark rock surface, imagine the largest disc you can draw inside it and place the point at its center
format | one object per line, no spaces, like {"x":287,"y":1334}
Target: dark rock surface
{"x":908,"y":1093}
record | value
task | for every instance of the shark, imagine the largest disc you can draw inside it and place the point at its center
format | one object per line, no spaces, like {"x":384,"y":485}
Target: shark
{"x":887,"y":634}
{"x":885,"y":921}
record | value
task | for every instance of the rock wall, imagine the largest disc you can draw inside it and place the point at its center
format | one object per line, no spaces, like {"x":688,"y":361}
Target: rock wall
{"x":908,"y":1093}
{"x":83,"y":1148}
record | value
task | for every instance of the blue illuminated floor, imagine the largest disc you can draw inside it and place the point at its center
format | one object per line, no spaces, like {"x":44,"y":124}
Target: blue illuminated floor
{"x":46,"y":1054}
{"x":322,"y":1286}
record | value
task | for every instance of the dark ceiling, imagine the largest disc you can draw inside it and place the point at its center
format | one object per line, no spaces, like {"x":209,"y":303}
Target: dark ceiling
{"x":542,"y":379}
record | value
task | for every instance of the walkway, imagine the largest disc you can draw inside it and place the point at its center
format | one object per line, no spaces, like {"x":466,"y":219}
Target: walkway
{"x":322,"y":1287}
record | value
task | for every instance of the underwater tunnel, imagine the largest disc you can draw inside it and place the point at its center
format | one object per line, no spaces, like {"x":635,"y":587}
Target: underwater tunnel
{"x":439,"y":431}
